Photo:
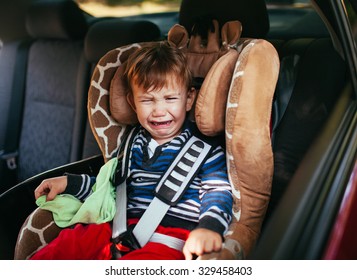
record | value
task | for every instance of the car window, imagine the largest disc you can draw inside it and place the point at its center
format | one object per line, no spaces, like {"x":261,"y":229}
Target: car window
{"x":120,"y":8}
{"x":284,"y":15}
{"x":352,"y":17}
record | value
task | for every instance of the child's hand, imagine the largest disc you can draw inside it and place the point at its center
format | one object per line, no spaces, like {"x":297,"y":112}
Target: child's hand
{"x":202,"y":241}
{"x":51,"y":187}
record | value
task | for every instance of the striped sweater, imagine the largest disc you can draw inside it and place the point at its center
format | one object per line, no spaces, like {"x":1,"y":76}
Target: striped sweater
{"x":207,"y":203}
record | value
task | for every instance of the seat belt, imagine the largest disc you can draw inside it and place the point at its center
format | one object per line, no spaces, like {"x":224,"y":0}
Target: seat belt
{"x":119,"y":221}
{"x":8,"y":156}
{"x":168,"y":192}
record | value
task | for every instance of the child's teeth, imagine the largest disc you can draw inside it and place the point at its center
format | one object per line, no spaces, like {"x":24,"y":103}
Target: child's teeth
{"x":158,"y":123}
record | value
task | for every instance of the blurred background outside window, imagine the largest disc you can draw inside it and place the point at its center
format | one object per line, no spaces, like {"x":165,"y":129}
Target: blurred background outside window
{"x":119,"y":8}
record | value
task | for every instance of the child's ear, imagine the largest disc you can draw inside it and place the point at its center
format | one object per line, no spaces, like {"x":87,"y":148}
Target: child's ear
{"x":130,"y":99}
{"x":191,"y":96}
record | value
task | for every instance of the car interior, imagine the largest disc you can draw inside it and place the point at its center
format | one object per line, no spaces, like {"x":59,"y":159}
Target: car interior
{"x":46,"y":64}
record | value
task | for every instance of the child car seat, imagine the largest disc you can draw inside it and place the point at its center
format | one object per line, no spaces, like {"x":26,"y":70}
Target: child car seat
{"x":235,"y":100}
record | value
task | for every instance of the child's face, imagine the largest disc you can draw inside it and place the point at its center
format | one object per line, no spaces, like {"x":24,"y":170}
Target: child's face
{"x":162,"y":112}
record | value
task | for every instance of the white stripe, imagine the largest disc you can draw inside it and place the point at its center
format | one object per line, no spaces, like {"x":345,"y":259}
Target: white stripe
{"x":189,"y":157}
{"x":215,"y":215}
{"x":136,"y":174}
{"x":142,"y":184}
{"x":171,"y":185}
{"x":196,"y":148}
{"x":189,"y":212}
{"x":177,"y":176}
{"x":217,"y":182}
{"x":173,"y":148}
{"x":84,"y":187}
{"x":221,"y":186}
{"x":180,"y":215}
{"x":184,"y":166}
{"x":189,"y":204}
{"x":215,"y":156}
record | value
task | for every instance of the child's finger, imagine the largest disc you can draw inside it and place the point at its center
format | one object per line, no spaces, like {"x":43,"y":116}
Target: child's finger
{"x":187,"y":253}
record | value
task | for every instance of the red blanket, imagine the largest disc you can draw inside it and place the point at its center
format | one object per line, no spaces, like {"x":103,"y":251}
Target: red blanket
{"x":92,"y":242}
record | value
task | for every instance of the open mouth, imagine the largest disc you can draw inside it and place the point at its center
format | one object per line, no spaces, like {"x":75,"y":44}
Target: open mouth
{"x":161,"y":123}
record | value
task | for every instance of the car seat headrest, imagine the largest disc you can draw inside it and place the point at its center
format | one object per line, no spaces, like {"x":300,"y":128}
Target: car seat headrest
{"x":56,"y":19}
{"x":252,"y":14}
{"x":108,"y":34}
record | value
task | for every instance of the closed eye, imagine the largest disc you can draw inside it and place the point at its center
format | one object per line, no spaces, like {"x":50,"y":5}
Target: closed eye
{"x":145,"y":101}
{"x":172,"y":98}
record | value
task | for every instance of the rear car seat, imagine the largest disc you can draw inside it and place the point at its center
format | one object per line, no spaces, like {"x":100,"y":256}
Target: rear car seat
{"x":13,"y":36}
{"x":312,"y":73}
{"x":51,"y":125}
{"x":13,"y":59}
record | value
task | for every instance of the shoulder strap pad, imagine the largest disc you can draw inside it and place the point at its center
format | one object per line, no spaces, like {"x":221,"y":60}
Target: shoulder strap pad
{"x":182,"y":171}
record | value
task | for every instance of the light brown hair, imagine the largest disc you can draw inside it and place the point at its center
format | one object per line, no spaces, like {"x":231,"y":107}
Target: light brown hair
{"x":150,"y":65}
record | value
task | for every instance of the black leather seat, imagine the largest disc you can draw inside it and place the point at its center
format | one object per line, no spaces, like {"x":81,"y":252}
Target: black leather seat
{"x":311,"y":77}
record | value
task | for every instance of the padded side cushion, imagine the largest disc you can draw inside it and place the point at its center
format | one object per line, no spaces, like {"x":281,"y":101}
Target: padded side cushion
{"x":212,"y":97}
{"x":119,"y":107}
{"x":104,"y":120}
{"x":249,"y":151}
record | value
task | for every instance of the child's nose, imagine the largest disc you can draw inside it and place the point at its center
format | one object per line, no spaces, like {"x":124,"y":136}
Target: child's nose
{"x":159,"y":109}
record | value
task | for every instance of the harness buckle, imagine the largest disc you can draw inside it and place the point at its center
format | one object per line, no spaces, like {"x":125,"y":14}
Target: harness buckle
{"x":124,"y":243}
